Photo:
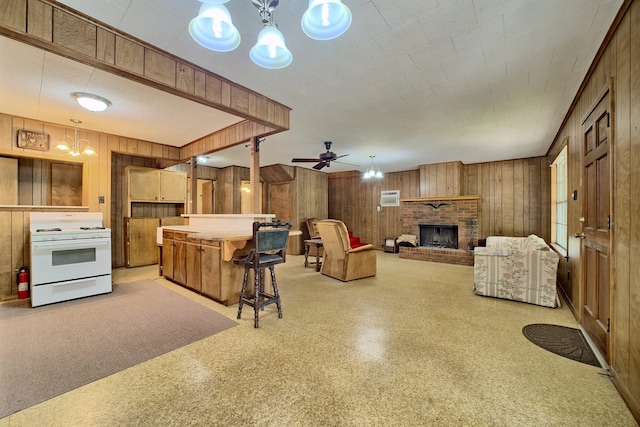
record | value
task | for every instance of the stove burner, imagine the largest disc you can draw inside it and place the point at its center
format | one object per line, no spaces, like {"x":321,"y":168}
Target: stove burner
{"x":92,"y":228}
{"x":48,"y":229}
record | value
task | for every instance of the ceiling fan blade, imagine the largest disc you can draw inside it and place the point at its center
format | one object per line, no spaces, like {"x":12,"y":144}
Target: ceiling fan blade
{"x":304,"y":160}
{"x":344,"y":155}
{"x":349,"y":164}
{"x":320,"y":165}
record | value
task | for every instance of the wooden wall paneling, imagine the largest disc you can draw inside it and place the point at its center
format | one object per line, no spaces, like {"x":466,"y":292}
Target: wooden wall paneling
{"x":633,"y":305}
{"x":159,"y":67}
{"x":486,"y":224}
{"x":105,"y":46}
{"x":534,"y":192}
{"x":6,"y":133}
{"x":13,"y":13}
{"x":280,"y":200}
{"x":25,"y":181}
{"x":185,"y":78}
{"x":39,"y":20}
{"x":8,"y":181}
{"x":20,"y":252}
{"x":74,"y":33}
{"x":129,"y":55}
{"x":507,"y":197}
{"x":620,"y":59}
{"x":545,"y":202}
{"x":623,"y":219}
{"x":518,"y":196}
{"x":66,"y":179}
{"x":6,"y":262}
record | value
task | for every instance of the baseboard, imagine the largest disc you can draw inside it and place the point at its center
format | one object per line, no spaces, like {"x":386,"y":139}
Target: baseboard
{"x":632,"y":403}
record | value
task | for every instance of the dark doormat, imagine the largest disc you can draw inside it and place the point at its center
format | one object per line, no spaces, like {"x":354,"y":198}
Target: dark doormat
{"x":563,"y":341}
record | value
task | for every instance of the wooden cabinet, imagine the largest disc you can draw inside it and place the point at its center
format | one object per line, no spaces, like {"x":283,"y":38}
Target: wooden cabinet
{"x":199,"y":263}
{"x":174,"y":256}
{"x":210,"y":270}
{"x":194,"y":263}
{"x":144,"y":184}
{"x":154,"y":186}
{"x":140,"y":246}
{"x":203,"y":267}
{"x":173,"y":186}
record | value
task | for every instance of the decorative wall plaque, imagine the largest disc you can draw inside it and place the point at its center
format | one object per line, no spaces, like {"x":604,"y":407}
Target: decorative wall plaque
{"x":33,"y":140}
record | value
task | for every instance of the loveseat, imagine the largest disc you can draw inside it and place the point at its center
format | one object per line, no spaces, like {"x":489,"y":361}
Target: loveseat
{"x":517,"y":268}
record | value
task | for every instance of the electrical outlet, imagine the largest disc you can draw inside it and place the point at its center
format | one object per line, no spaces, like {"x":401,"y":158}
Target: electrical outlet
{"x":101,"y":199}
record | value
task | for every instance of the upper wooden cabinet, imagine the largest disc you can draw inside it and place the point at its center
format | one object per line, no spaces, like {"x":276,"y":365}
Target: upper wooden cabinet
{"x":155,"y":185}
{"x":173,"y":186}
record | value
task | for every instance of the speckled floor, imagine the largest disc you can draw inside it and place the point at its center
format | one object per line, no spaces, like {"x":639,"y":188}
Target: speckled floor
{"x":411,"y":347}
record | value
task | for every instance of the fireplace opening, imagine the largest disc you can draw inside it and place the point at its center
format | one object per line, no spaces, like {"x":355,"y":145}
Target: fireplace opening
{"x":439,"y":236}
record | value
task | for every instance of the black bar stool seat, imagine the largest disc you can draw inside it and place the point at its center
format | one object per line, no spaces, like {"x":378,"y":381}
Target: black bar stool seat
{"x":269,"y":249}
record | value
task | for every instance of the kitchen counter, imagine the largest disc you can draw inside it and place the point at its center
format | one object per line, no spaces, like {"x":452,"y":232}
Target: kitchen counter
{"x":203,"y":261}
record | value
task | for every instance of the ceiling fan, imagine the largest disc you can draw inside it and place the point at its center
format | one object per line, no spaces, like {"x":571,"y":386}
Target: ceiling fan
{"x":324,"y":159}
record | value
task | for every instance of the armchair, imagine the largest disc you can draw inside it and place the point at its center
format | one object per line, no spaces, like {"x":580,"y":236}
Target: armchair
{"x":517,"y":268}
{"x":340,"y":260}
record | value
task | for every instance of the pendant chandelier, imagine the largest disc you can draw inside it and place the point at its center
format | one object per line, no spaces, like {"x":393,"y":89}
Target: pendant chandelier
{"x":72,"y":145}
{"x":214,"y":29}
{"x":372,"y":172}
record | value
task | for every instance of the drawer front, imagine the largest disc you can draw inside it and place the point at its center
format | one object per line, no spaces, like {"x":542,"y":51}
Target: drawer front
{"x":179,"y":236}
{"x":194,"y":240}
{"x":167,"y":234}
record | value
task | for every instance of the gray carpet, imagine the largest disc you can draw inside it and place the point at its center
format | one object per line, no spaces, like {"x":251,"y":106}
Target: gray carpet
{"x":49,"y":350}
{"x":561,"y":340}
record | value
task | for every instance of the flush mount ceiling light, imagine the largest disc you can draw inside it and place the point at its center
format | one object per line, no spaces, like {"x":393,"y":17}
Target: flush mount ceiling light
{"x":214,"y":30}
{"x":73,"y":149}
{"x":372,"y":172}
{"x":91,"y":102}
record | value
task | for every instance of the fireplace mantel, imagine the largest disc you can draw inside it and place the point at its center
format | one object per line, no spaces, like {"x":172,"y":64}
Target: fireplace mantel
{"x":432,"y":199}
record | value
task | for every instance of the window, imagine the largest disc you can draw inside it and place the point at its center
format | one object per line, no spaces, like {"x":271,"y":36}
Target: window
{"x":559,"y":200}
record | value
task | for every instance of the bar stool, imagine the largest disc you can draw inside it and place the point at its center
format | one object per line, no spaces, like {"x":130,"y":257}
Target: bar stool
{"x":269,"y":249}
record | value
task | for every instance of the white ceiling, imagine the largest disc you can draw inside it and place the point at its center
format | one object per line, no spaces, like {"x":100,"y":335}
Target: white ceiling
{"x":412,"y":81}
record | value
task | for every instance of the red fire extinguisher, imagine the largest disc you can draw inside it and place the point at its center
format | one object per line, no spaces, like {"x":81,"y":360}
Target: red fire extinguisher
{"x":23,"y":283}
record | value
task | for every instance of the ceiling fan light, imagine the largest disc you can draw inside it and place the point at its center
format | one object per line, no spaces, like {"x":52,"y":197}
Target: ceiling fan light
{"x":213,"y":28}
{"x":91,"y":102}
{"x":326,"y":19}
{"x":270,"y":51}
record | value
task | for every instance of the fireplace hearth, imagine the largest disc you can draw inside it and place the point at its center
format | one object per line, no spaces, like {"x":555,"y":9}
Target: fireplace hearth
{"x":455,"y":220}
{"x":439,"y":236}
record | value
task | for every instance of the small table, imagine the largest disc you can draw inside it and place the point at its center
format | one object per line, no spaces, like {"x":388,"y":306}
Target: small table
{"x":307,"y":245}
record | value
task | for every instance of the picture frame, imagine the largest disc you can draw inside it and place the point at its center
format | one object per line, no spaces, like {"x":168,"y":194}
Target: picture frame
{"x":33,"y":140}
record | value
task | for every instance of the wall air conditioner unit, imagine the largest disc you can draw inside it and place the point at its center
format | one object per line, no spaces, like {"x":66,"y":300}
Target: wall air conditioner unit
{"x":390,"y":198}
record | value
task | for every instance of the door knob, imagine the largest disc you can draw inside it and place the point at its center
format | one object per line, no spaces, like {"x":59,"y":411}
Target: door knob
{"x":581,"y":219}
{"x":579,"y":235}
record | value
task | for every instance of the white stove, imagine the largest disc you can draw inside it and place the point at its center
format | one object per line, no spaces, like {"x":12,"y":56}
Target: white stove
{"x":70,"y":256}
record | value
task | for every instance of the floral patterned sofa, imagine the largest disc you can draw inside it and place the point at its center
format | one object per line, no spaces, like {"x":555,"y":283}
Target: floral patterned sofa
{"x":517,"y":268}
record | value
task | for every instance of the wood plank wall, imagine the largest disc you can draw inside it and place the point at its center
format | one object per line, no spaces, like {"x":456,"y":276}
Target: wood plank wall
{"x":354,"y":201}
{"x":619,"y":62}
{"x":441,"y":179}
{"x":514,"y":197}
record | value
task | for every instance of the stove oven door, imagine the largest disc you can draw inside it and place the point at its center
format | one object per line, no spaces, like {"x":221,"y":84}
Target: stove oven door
{"x":64,"y":260}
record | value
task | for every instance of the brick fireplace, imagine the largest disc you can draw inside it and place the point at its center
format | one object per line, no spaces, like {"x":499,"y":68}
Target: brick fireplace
{"x":459,"y":211}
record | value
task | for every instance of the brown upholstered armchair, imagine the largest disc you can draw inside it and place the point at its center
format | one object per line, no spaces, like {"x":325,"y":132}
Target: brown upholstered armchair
{"x":340,"y":260}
